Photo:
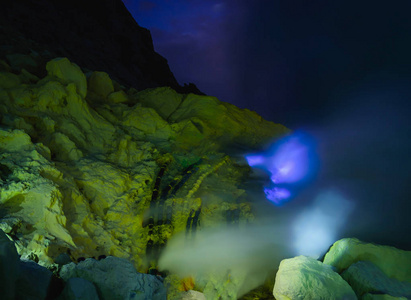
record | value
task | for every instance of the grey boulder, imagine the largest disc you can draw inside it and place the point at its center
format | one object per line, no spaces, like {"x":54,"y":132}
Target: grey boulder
{"x":79,"y":289}
{"x":365,"y":277}
{"x":116,"y":278}
{"x":9,"y":266}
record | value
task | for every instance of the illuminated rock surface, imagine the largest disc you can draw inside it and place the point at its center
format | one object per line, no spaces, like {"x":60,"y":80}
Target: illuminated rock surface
{"x":306,"y":278}
{"x":393,"y":262}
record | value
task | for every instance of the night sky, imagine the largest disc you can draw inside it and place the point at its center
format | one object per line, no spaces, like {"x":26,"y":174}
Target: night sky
{"x":341,"y":70}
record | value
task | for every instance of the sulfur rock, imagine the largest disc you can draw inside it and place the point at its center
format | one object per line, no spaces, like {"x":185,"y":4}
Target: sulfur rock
{"x":164,"y":100}
{"x":118,"y":97}
{"x":306,"y":278}
{"x":9,"y":80}
{"x":100,"y":84}
{"x":68,"y":72}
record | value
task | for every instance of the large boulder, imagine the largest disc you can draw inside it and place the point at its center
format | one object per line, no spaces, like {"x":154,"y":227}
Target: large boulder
{"x":365,"y":277}
{"x":395,"y":263}
{"x":305,"y":278}
{"x":9,"y":266}
{"x":79,"y":289}
{"x":34,"y":281}
{"x":116,"y":278}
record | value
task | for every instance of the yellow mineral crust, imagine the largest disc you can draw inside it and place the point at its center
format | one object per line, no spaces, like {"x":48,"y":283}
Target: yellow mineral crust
{"x":81,"y":162}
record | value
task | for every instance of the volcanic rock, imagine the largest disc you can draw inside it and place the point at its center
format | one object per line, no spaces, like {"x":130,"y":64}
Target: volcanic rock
{"x":116,"y":278}
{"x":79,"y":289}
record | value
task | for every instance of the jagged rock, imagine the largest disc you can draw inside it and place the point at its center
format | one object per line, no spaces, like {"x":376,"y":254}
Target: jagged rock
{"x":9,"y":267}
{"x":192,"y":295}
{"x":393,"y":262}
{"x":306,"y":278}
{"x":365,"y":277}
{"x":33,"y":282}
{"x":79,"y":289}
{"x":116,"y":278}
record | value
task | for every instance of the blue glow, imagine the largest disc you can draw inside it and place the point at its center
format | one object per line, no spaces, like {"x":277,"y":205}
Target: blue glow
{"x":291,"y":160}
{"x":277,"y":195}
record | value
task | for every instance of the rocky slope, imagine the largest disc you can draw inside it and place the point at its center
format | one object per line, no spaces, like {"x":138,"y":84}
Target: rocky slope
{"x":90,"y":168}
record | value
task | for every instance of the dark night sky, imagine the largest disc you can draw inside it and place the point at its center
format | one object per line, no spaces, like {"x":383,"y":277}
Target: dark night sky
{"x":291,"y":61}
{"x":339,"y":69}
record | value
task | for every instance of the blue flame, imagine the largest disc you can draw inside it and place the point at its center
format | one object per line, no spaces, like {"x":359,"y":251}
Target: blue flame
{"x":291,"y":160}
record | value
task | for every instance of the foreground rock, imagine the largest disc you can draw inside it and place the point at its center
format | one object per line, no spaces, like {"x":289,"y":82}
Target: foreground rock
{"x":116,"y":278}
{"x":394,"y":263}
{"x":79,"y":289}
{"x":34,"y":281}
{"x":9,"y":267}
{"x":306,"y":278}
{"x":365,"y":277}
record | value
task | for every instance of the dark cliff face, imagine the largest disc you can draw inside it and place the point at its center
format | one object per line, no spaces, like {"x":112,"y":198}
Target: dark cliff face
{"x":96,"y":34}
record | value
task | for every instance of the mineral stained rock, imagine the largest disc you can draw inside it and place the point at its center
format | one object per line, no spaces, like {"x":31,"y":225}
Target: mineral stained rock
{"x":393,"y":262}
{"x":90,"y":168}
{"x":306,"y":278}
